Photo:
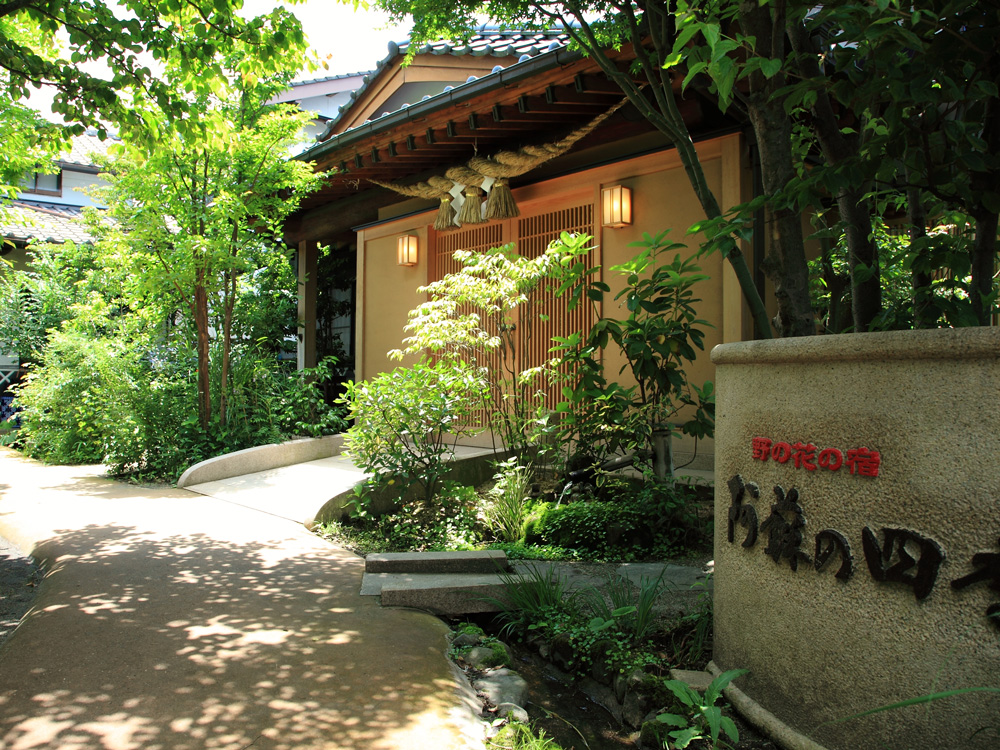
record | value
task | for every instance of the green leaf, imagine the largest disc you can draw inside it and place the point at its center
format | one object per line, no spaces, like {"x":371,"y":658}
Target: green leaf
{"x":770,"y":67}
{"x":673,"y":720}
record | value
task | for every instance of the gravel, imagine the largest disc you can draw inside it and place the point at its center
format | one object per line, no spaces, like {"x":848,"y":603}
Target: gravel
{"x":19,"y":577}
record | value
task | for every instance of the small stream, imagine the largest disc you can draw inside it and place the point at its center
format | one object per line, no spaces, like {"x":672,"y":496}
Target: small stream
{"x":565,"y":713}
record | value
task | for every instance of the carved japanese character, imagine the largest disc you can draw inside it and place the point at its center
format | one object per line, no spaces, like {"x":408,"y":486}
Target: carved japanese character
{"x":784,"y":536}
{"x":831,"y":458}
{"x":804,"y":456}
{"x":863,"y":462}
{"x":988,"y":569}
{"x":905,"y":557}
{"x":740,"y":513}
{"x":761,"y":448}
{"x":829,"y":541}
{"x":781,"y":452}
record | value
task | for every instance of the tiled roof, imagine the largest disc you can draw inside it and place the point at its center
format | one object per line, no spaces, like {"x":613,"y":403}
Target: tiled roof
{"x":44,"y":222}
{"x":85,"y":147}
{"x":492,"y":40}
{"x":487,"y":41}
{"x":339,"y":77}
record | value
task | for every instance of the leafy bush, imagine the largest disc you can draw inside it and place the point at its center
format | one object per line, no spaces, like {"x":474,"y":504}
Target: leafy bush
{"x":299,"y":404}
{"x":657,"y":520}
{"x":698,"y":717}
{"x":451,"y":522}
{"x":515,"y":736}
{"x":406,"y":422}
{"x":160,"y":435}
{"x":67,"y":409}
{"x":630,"y":611}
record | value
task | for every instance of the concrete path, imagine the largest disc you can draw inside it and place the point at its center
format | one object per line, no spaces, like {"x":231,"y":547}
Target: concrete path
{"x":295,"y":492}
{"x":172,"y":620}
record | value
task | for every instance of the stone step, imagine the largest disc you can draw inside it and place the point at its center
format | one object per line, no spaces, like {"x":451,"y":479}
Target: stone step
{"x":448,"y":594}
{"x":479,"y":561}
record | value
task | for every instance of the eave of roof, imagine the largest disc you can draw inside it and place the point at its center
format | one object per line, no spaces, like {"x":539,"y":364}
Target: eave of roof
{"x":519,"y":43}
{"x":499,"y":79}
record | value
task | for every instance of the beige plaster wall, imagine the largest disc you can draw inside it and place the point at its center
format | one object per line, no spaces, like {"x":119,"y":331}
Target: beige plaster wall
{"x":386,"y":294}
{"x":663,"y":198}
{"x":819,"y":648}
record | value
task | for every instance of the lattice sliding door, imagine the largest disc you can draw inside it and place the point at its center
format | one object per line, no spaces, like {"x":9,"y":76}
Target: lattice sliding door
{"x":534,"y":234}
{"x":477,"y":239}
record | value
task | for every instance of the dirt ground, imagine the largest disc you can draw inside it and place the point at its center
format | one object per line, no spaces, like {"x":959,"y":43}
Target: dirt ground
{"x":19,"y":578}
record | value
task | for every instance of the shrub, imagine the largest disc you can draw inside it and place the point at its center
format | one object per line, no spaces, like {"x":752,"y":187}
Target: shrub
{"x":299,"y":404}
{"x":66,"y":405}
{"x":657,"y":519}
{"x":406,"y":422}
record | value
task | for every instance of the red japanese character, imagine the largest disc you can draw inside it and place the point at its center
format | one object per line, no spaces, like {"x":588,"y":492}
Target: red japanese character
{"x":863,"y":462}
{"x":831,"y":458}
{"x":781,"y":452}
{"x":761,"y":447}
{"x":804,"y":455}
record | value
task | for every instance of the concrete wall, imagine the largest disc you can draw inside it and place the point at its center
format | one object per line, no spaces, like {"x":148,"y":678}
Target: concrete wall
{"x":261,"y":458}
{"x":907,"y":620}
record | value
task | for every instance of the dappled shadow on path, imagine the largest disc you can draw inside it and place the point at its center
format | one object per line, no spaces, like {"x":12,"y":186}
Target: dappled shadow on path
{"x":141,"y":639}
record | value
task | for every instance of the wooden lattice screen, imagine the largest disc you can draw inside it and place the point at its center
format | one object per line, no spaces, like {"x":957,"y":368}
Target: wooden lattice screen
{"x":532,"y":235}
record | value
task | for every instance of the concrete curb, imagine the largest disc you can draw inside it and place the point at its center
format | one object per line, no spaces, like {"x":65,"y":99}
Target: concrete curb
{"x":764,"y":720}
{"x":261,"y":458}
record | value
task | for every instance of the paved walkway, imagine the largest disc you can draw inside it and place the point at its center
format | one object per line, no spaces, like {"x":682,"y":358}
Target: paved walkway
{"x":173,"y":620}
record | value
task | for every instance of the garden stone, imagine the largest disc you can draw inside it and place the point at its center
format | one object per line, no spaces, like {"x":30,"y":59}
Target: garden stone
{"x":620,"y":687}
{"x":502,"y":686}
{"x":637,"y":703}
{"x":601,"y":669}
{"x":603,"y":696}
{"x":694,"y":679}
{"x":464,"y":640}
{"x":485,"y":657}
{"x":513,"y":712}
{"x":562,"y":652}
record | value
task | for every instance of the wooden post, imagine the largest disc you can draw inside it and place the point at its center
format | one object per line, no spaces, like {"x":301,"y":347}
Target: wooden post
{"x":308,"y":256}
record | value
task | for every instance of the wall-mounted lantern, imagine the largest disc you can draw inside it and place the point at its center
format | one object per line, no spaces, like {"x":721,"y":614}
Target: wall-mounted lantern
{"x":406,"y":250}
{"x":616,"y":206}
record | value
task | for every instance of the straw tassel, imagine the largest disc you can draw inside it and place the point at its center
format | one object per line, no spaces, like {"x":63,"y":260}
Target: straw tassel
{"x":472,"y":212}
{"x":445,"y":218}
{"x":500,"y":202}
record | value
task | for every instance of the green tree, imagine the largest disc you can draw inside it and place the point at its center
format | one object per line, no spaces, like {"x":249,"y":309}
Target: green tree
{"x":916,"y":89}
{"x":485,"y":314}
{"x":46,"y":44}
{"x":192,"y":209}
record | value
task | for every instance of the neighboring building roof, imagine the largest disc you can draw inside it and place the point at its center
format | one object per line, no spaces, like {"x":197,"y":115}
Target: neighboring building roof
{"x":23,"y":221}
{"x":489,"y":41}
{"x":84,"y":148}
{"x":338,"y":77}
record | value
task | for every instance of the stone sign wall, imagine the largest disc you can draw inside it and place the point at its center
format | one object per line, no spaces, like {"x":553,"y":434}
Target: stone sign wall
{"x":857,"y":548}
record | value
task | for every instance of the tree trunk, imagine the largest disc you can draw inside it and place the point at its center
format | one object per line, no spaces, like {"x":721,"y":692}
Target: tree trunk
{"x":984,"y":254}
{"x":924,"y":313}
{"x":984,"y":249}
{"x":855,"y":211}
{"x":862,"y":257}
{"x":786,"y":260}
{"x":201,"y":328}
{"x":227,"y":344}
